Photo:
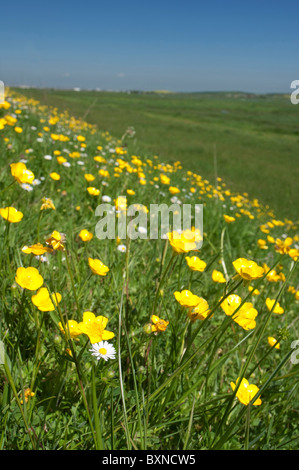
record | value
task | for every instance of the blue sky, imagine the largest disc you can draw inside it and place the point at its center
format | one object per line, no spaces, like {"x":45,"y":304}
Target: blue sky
{"x":148,"y":45}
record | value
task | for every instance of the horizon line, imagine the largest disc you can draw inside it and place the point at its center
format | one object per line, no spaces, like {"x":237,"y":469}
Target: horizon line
{"x":136,"y":90}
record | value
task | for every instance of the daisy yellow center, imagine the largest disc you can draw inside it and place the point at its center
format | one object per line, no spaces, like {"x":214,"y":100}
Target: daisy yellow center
{"x":103,"y":351}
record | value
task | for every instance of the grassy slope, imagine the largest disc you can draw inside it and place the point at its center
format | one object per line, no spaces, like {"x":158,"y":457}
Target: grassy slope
{"x":256,"y":138}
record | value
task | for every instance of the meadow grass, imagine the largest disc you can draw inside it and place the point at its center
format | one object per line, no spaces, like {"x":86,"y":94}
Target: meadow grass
{"x":171,"y":383}
{"x":252,"y":138}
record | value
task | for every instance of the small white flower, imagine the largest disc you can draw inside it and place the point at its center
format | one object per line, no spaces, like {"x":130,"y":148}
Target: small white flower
{"x":175,"y":200}
{"x":122,"y":248}
{"x":142,"y":230}
{"x":42,"y":258}
{"x":36,"y":182}
{"x":66,"y":164}
{"x":106,"y":198}
{"x":80,"y":163}
{"x":26,"y":186}
{"x":103,"y":350}
{"x":47,"y":157}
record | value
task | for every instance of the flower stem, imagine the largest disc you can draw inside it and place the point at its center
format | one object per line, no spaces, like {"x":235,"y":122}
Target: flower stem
{"x":98,"y":431}
{"x":72,"y":280}
{"x":161,"y":283}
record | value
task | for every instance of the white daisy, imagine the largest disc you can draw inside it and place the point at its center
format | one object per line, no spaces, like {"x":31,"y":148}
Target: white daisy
{"x":26,"y":186}
{"x":48,"y":157}
{"x":122,"y":248}
{"x":103,"y":350}
{"x":142,"y":230}
{"x":41,"y":258}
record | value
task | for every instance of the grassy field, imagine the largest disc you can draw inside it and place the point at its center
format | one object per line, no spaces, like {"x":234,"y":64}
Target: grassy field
{"x":141,"y":343}
{"x":251,"y":141}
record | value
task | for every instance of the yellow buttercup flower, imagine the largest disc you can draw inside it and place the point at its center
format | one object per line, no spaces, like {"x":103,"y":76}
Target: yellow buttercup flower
{"x":247,"y":269}
{"x":158,"y":325}
{"x":56,"y":240}
{"x":186,"y":298}
{"x":230,"y":304}
{"x":5,"y":105}
{"x":93,"y":191}
{"x":272,"y":275}
{"x":89,"y":177}
{"x":29,"y":278}
{"x":195,"y":263}
{"x":42,"y":300}
{"x":37,"y":249}
{"x":262,"y":244}
{"x":94,"y":327}
{"x":21,"y":173}
{"x":174,"y":190}
{"x":74,"y":154}
{"x":200,"y":311}
{"x":184,"y":242}
{"x":217,"y":276}
{"x":283,"y":246}
{"x":11,"y":214}
{"x":121,"y":203}
{"x":85,"y":235}
{"x":27,"y":394}
{"x":104,"y":173}
{"x":277,"y":309}
{"x":98,"y":267}
{"x":47,"y":203}
{"x":272,"y":341}
{"x":164,"y":179}
{"x":130,"y":192}
{"x":99,"y":159}
{"x":294,"y":253}
{"x":253,"y":290}
{"x":246,"y":392}
{"x":245,"y":316}
{"x":55,"y":176}
{"x":228,"y":218}
{"x":72,"y":328}
{"x":61,"y":160}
